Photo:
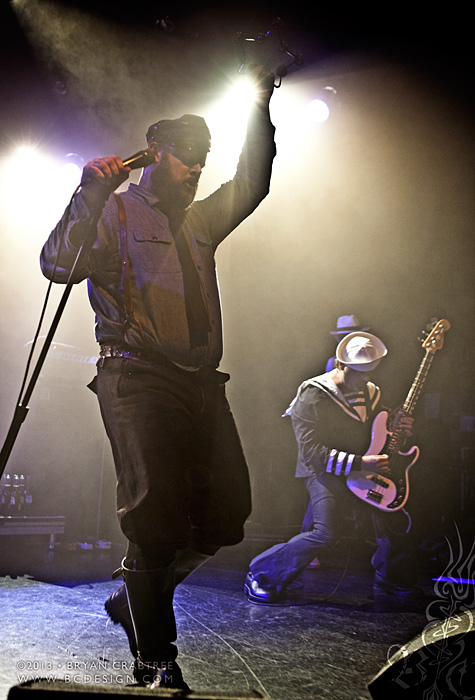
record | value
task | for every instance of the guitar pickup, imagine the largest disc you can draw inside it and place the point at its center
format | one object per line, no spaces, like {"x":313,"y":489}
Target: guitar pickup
{"x":374,"y":496}
{"x":380,"y":481}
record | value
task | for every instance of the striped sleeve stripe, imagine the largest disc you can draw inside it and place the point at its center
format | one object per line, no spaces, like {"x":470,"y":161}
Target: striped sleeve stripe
{"x":339,"y":463}
{"x":349,"y":464}
{"x":331,"y":459}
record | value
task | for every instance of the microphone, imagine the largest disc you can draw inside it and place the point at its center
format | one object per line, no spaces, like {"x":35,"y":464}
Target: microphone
{"x":140,"y":160}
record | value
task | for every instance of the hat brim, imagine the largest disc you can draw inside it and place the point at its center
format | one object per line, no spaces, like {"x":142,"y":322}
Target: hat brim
{"x":351,"y":329}
{"x":362,"y":365}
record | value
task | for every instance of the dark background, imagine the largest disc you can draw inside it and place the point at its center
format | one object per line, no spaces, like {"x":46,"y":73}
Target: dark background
{"x":371,"y":214}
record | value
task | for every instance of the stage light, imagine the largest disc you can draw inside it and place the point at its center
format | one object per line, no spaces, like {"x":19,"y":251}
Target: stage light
{"x":29,"y":168}
{"x":227,"y":119}
{"x":450,"y":579}
{"x":237,"y":102}
{"x":320,"y":107}
{"x":319,"y":111}
{"x":45,"y":180}
{"x":71,"y":170}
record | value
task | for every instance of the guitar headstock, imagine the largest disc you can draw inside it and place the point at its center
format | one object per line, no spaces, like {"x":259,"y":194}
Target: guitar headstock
{"x":435,"y":339}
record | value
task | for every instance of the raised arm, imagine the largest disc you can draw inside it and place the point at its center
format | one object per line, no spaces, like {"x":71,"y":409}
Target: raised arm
{"x":226,"y":208}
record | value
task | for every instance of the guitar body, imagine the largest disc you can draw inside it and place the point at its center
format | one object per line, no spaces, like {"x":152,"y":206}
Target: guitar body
{"x":386,"y":494}
{"x":390,"y":494}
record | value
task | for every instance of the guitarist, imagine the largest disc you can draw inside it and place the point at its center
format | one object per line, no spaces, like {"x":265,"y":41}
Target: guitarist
{"x":332,"y":416}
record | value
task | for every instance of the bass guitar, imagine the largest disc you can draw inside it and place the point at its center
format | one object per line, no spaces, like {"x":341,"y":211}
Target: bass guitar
{"x":391,"y":494}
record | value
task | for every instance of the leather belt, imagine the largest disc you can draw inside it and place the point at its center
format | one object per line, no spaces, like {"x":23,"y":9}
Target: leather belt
{"x":201,"y":374}
{"x":123,"y":351}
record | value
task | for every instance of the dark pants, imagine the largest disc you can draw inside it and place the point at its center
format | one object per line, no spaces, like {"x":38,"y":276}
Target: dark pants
{"x":181,"y":474}
{"x":330,"y":500}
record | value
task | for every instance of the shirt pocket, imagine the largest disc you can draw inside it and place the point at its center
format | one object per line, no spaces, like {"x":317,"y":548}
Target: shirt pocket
{"x":154,"y":251}
{"x":204,"y":252}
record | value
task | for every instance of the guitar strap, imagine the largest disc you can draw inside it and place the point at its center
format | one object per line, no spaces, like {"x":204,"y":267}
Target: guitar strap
{"x":369,"y":407}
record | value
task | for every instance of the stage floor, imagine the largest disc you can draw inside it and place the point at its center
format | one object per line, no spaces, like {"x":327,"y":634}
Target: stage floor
{"x":321,"y":643}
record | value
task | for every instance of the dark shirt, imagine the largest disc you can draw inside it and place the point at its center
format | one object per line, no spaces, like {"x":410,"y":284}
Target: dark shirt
{"x":333,"y":430}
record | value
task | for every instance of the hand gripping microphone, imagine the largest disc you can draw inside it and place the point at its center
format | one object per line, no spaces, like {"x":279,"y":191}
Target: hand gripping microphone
{"x":139,"y":160}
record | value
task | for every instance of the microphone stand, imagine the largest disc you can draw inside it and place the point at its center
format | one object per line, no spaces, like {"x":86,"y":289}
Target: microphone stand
{"x":22,"y":408}
{"x":138,"y":160}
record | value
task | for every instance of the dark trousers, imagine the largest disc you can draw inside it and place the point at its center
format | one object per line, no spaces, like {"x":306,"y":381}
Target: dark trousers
{"x":181,"y":474}
{"x":330,"y":499}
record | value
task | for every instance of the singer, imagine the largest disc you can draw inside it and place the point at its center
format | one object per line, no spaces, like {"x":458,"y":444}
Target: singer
{"x":148,"y":257}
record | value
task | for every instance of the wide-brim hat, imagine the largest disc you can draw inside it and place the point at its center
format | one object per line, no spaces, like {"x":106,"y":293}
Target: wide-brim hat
{"x":361,"y":351}
{"x":348,"y":324}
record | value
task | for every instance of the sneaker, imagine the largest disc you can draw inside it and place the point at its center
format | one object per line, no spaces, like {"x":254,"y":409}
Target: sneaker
{"x":258,"y":594}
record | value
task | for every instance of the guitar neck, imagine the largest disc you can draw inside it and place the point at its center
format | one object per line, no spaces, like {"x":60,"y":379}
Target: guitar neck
{"x":398,"y":437}
{"x":418,"y":383}
{"x":432,"y":343}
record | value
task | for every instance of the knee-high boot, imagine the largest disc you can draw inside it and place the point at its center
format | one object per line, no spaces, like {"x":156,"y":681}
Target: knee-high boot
{"x":117,"y":605}
{"x":150,"y":598}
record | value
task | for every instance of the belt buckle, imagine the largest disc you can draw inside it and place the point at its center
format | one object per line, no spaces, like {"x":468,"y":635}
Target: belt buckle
{"x":108,"y":351}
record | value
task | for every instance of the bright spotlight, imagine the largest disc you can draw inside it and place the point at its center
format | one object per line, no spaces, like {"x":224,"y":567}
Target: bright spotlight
{"x":31,"y":166}
{"x":242,"y":95}
{"x":320,"y":107}
{"x":48,"y":180}
{"x":319,"y":111}
{"x":71,"y":172}
{"x":26,"y":151}
{"x":227,"y":119}
{"x":71,"y":169}
{"x":233,"y":109}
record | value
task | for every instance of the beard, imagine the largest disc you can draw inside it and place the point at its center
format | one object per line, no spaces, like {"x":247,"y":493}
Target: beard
{"x":175,"y":193}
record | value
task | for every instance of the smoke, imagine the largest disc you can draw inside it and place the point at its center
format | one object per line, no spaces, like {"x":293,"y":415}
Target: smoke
{"x":369,"y":214}
{"x":111,"y":79}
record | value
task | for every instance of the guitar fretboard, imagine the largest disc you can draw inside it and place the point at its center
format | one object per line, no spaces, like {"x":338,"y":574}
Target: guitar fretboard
{"x":416,"y":388}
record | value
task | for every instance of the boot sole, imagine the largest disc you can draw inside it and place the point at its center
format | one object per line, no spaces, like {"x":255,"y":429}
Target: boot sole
{"x":255,"y":599}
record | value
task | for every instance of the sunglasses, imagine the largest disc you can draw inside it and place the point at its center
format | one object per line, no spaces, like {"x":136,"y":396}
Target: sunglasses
{"x":189,"y":151}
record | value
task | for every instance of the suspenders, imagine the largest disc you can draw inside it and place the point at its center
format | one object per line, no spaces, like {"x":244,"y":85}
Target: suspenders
{"x":125,"y":262}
